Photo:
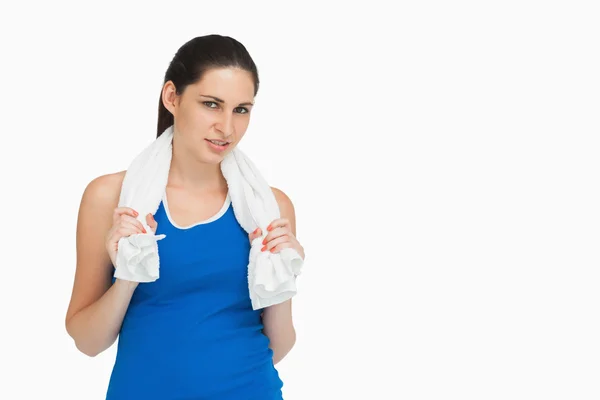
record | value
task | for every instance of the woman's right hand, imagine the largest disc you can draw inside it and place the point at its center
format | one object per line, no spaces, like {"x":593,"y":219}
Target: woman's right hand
{"x":125,"y":224}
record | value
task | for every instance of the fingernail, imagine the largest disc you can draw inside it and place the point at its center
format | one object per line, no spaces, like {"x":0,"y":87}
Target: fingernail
{"x":264,"y":241}
{"x":255,"y":231}
{"x":273,"y":250}
{"x":135,"y":213}
{"x":145,"y":231}
{"x":269,"y":228}
{"x":264,"y":248}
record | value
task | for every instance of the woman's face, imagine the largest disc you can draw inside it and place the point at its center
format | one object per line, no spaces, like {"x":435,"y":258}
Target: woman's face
{"x":216,"y":108}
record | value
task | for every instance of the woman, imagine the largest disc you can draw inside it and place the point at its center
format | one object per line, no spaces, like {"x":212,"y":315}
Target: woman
{"x":192,"y":333}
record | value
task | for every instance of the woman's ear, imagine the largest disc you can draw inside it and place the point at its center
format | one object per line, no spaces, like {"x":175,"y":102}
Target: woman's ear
{"x":169,"y":97}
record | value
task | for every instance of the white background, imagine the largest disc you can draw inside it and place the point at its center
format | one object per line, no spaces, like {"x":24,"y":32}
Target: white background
{"x":443,"y":159}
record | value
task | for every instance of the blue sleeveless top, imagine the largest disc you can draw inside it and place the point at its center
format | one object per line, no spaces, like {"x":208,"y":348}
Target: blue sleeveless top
{"x":192,"y":333}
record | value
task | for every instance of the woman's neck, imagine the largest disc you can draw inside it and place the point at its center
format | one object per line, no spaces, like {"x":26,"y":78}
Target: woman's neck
{"x":188,"y":173}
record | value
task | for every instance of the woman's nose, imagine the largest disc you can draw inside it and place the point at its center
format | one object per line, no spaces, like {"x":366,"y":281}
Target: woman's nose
{"x":226,"y":124}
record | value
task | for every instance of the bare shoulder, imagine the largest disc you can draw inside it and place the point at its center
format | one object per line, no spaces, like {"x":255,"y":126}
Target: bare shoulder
{"x":283,"y":200}
{"x":98,"y":202}
{"x":286,"y":207}
{"x":104,"y":190}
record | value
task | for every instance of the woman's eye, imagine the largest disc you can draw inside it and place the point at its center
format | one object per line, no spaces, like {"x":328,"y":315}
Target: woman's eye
{"x":239,"y":110}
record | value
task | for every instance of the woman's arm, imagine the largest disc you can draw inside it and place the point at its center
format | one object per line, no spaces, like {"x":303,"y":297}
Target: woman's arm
{"x":279,"y":328}
{"x":277,"y":319}
{"x":97,"y":307}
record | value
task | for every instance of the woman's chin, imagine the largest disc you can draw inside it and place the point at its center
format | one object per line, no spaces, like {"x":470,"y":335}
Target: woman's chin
{"x":212,"y":158}
{"x":215,"y":156}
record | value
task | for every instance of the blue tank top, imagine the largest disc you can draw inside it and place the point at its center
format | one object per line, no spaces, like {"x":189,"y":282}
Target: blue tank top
{"x":192,"y":333}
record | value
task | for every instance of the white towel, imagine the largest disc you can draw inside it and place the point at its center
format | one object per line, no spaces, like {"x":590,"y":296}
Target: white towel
{"x":271,"y":276}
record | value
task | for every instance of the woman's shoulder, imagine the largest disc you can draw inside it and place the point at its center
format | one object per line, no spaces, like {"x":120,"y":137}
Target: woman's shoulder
{"x":286,"y":207}
{"x":282,"y":198}
{"x":104,"y":189}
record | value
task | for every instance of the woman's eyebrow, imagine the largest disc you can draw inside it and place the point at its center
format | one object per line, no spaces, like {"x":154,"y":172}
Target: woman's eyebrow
{"x":218,"y":100}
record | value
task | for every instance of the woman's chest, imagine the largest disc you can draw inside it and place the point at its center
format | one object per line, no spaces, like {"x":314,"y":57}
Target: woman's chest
{"x":207,"y":260}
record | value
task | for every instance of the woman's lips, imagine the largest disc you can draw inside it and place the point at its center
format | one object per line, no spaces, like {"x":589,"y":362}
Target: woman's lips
{"x":216,"y":146}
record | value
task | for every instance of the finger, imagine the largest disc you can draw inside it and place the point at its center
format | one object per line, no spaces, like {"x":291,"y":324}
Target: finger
{"x":279,"y":222}
{"x":280,"y":247}
{"x":124,"y":210}
{"x":275,"y":242}
{"x":133,"y":221}
{"x":151,"y":222}
{"x":123,"y":231}
{"x":256,"y":234}
{"x":275,"y":233}
{"x":132,"y":226}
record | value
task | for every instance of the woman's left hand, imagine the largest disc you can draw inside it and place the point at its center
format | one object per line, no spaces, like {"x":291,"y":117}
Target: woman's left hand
{"x":280,"y":236}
